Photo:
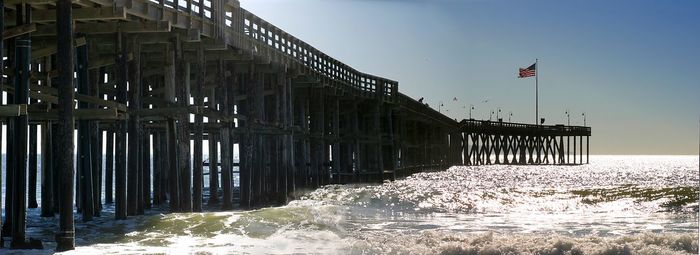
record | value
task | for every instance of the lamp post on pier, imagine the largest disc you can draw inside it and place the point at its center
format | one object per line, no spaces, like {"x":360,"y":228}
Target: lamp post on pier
{"x":510,"y":115}
{"x":584,"y":118}
{"x":568,"y":118}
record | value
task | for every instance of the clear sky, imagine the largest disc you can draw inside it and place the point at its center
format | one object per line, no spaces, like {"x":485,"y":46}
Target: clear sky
{"x":632,"y":66}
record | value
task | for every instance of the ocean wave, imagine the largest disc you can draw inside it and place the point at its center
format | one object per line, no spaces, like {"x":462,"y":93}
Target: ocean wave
{"x":645,"y":188}
{"x":442,"y":242}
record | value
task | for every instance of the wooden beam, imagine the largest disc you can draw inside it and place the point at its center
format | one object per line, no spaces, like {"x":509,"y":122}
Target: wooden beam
{"x":80,"y":114}
{"x":101,"y":102}
{"x":81,"y":97}
{"x":13,"y":110}
{"x":82,"y":14}
{"x":18,"y":30}
{"x":10,"y":3}
{"x":51,"y":49}
{"x":31,"y":2}
{"x":158,"y":101}
{"x":106,"y":61}
{"x":48,"y":95}
{"x":215,"y":114}
{"x":124,"y":27}
{"x":110,"y":27}
{"x":33,"y":94}
{"x":168,"y":111}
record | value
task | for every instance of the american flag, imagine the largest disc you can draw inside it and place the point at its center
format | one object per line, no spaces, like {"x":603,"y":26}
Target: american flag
{"x":528,"y":72}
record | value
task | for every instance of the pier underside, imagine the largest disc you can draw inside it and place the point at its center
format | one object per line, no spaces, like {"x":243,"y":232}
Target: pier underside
{"x":146,"y":84}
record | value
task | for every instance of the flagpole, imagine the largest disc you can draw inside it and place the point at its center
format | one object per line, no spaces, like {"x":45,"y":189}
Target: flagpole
{"x":537,"y":98}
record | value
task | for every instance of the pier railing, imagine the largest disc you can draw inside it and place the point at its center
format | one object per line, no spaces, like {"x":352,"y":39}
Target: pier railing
{"x":508,"y":128}
{"x":265,"y":34}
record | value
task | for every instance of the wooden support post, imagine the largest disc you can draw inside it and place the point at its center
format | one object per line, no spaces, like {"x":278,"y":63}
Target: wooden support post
{"x":393,"y":142}
{"x":96,"y":136}
{"x":120,"y":202}
{"x":231,"y":89}
{"x":245,"y":147}
{"x":479,"y":148}
{"x":145,"y":189}
{"x":427,"y":149}
{"x":23,"y":46}
{"x":538,"y":148}
{"x":32,"y":166}
{"x":467,"y":149}
{"x":580,"y":144}
{"x":197,"y":168}
{"x":497,"y":148}
{"x":134,"y":154}
{"x":171,"y":165}
{"x":588,"y":149}
{"x":568,"y":148}
{"x":213,"y":155}
{"x":355,"y":115}
{"x":157,"y":169}
{"x":315,"y":134}
{"x":84,"y":142}
{"x":55,"y":168}
{"x":65,"y":238}
{"x":282,"y":166}
{"x":2,"y":81}
{"x":163,"y":172}
{"x":401,"y":143}
{"x":9,"y":180}
{"x":323,"y":172}
{"x":226,"y":150}
{"x":561,"y":150}
{"x":377,"y":132}
{"x":303,"y":160}
{"x":288,"y":105}
{"x":487,"y":148}
{"x":335,"y":150}
{"x":46,"y":171}
{"x":109,"y":167}
{"x":183,"y":80}
{"x":96,"y":78}
{"x":258,"y":115}
{"x":574,"y":156}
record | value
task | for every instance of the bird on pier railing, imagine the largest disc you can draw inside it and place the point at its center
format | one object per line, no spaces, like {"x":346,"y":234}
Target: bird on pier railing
{"x":420,"y":100}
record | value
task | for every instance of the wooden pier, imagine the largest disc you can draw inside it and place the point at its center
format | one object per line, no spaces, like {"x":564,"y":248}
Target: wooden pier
{"x":150,"y":81}
{"x":486,"y":142}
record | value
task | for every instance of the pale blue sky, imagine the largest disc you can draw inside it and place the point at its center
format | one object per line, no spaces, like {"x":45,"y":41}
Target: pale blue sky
{"x":632,"y":66}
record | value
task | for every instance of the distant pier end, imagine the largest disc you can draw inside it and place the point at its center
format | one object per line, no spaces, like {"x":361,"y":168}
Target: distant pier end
{"x":487,"y":142}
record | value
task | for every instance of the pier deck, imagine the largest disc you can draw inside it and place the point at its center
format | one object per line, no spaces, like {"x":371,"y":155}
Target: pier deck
{"x":150,"y":81}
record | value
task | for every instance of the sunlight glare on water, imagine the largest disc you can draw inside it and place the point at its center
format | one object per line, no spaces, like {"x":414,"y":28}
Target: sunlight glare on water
{"x":615,"y":205}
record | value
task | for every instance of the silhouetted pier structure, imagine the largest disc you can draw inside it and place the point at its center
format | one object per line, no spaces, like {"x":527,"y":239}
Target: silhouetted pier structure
{"x":488,"y":142}
{"x":152,"y":80}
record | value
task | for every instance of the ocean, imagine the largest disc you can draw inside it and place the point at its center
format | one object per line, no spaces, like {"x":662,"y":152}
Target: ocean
{"x":615,"y":205}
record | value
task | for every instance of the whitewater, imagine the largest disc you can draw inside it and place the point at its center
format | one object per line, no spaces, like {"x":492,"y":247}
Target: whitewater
{"x":615,"y":205}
